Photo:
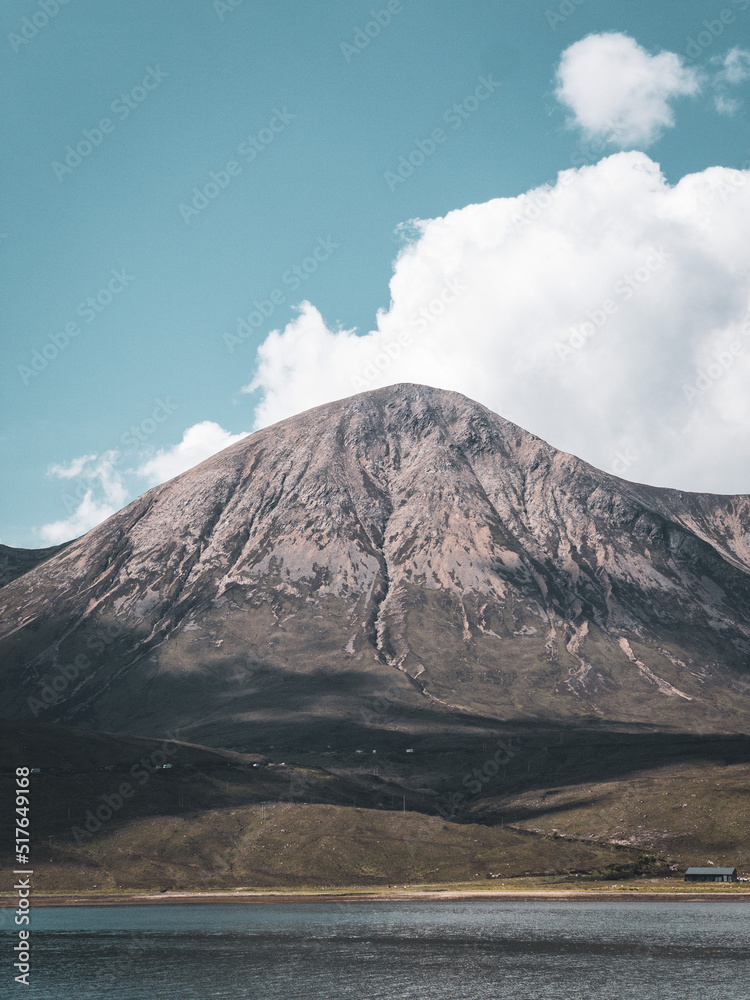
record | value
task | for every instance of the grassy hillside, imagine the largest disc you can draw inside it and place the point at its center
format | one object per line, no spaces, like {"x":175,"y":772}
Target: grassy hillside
{"x":107,"y":814}
{"x":697,"y":813}
{"x":293,"y":846}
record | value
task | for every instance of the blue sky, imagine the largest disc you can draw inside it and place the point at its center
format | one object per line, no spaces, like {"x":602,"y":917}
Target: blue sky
{"x":133,"y":281}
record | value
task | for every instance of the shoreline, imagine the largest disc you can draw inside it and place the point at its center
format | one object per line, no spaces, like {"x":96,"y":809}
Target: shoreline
{"x":427,"y":895}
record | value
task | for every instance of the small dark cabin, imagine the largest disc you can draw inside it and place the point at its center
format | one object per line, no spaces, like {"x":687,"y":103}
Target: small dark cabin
{"x":711,"y":875}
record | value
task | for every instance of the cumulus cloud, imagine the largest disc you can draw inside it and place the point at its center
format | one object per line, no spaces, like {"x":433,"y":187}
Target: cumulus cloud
{"x":286,"y":360}
{"x":199,"y":442}
{"x":100,"y":485}
{"x":615,"y":89}
{"x":607,"y":313}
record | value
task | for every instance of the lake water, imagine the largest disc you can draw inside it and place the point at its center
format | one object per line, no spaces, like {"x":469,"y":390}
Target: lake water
{"x":442,"y":951}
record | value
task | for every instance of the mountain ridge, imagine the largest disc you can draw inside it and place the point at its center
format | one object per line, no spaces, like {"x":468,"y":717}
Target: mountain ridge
{"x":15,"y":562}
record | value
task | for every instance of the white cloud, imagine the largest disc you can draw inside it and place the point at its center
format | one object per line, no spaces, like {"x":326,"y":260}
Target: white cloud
{"x":198,"y":443}
{"x":87,"y":515}
{"x":78,"y":467}
{"x":492,"y":300}
{"x":727,"y":105}
{"x":101,"y":492}
{"x":615,"y":89}
{"x":104,"y":486}
{"x":735,"y":67}
{"x":286,"y":360}
{"x":735,"y":71}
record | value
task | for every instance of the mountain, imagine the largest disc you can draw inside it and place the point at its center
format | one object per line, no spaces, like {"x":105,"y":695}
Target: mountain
{"x":403,"y":561}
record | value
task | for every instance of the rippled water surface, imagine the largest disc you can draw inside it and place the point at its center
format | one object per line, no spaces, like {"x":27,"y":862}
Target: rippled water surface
{"x":442,"y":951}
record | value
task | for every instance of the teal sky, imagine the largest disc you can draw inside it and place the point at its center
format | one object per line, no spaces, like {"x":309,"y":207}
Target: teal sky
{"x":203,"y":80}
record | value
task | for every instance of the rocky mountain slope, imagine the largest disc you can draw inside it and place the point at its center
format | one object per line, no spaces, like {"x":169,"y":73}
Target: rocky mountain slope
{"x":401,"y":560}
